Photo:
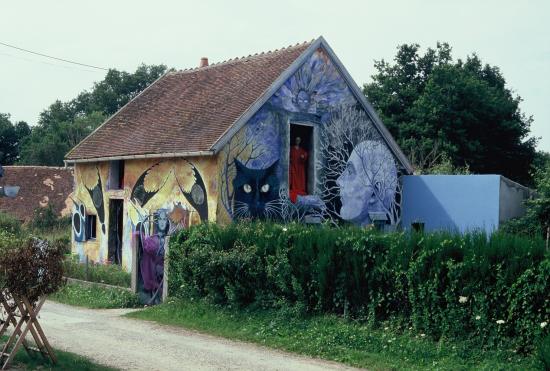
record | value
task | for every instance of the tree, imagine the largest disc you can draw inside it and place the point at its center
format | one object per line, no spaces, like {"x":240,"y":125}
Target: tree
{"x":11,"y":136}
{"x":64,"y":124}
{"x":463,"y":108}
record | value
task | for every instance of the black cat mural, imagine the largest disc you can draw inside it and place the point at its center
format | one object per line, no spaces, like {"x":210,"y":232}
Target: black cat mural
{"x":256,"y":192}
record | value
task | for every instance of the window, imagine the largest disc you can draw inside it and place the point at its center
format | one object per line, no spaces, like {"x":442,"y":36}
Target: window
{"x":116,"y":174}
{"x":91,"y":227}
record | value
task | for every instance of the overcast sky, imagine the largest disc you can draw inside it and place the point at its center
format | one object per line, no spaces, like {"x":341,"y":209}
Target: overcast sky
{"x":513,"y":35}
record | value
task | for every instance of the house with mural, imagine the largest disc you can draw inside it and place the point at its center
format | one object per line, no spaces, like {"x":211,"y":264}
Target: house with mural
{"x":284,"y":135}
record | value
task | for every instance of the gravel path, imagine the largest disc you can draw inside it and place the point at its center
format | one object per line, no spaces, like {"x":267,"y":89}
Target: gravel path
{"x":107,"y":338}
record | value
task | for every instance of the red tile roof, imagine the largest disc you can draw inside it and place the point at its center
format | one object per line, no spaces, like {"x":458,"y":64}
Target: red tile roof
{"x":187,"y":111}
{"x":40,"y":186}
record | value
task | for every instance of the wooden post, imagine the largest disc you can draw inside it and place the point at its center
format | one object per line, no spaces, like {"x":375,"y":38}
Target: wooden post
{"x":165,"y":274}
{"x":28,"y":322}
{"x":87,"y":278}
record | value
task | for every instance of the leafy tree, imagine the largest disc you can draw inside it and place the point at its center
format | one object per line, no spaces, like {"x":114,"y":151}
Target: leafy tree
{"x":47,"y":145}
{"x":64,"y":124}
{"x":463,"y":108}
{"x":537,"y":218}
{"x":11,"y":136}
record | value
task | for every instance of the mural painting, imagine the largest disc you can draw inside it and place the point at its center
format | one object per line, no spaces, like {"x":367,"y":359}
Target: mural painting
{"x":343,"y":172}
{"x":311,"y":153}
{"x":160,"y":198}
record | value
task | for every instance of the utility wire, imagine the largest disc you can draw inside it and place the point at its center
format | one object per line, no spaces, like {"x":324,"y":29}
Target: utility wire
{"x":49,"y":56}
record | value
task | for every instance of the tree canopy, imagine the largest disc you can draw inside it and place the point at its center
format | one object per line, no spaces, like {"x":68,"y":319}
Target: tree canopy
{"x":11,"y":136}
{"x":64,"y":124}
{"x":463,"y":110}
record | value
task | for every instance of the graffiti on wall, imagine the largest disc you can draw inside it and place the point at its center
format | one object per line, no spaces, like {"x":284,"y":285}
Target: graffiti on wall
{"x":355,"y":174}
{"x":162,"y":201}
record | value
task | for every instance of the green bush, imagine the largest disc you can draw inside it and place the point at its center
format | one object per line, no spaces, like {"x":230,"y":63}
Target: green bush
{"x":30,"y":267}
{"x":45,"y":218}
{"x":491,"y":289}
{"x":102,"y":273}
{"x":9,"y":224}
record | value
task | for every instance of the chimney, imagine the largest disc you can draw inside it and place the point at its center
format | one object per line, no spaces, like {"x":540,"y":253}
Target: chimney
{"x":204,"y":62}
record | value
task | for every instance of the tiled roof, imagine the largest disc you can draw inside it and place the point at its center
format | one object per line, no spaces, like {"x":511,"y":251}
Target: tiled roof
{"x":40,"y":186}
{"x":187,"y":111}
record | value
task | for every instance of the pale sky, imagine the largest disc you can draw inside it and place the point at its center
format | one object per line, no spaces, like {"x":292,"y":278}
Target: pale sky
{"x":513,"y":35}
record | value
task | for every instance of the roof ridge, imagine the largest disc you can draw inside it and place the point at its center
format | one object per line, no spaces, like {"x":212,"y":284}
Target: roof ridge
{"x":242,"y":58}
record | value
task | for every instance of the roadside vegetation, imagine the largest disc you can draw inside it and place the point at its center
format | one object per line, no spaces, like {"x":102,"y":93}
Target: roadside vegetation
{"x":65,"y":361}
{"x":488,"y":293}
{"x":95,"y":297}
{"x":334,"y":338}
{"x":93,"y":272}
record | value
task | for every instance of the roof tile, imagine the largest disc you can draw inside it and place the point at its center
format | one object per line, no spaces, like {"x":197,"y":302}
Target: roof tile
{"x":187,"y":111}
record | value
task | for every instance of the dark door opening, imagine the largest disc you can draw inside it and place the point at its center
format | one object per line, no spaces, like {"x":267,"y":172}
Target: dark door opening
{"x":301,"y":167}
{"x":115,"y":231}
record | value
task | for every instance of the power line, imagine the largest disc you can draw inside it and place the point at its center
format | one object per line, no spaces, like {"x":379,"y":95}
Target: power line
{"x":49,"y":56}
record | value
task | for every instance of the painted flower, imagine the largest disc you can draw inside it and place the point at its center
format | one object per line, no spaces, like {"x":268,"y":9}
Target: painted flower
{"x":462,"y":299}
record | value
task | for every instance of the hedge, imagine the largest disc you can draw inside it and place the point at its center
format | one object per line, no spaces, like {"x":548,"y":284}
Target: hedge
{"x":491,"y":289}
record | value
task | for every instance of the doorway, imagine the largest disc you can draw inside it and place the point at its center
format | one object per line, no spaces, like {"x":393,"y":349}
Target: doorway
{"x":116,"y":208}
{"x":305,"y":133}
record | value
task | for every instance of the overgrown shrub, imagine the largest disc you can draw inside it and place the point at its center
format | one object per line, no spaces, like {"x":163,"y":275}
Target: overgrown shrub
{"x":30,"y":267}
{"x":45,"y":218}
{"x":9,"y":224}
{"x":491,"y":289}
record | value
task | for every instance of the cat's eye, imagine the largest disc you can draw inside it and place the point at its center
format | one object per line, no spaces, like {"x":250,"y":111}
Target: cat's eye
{"x":247,"y":188}
{"x":265,"y":188}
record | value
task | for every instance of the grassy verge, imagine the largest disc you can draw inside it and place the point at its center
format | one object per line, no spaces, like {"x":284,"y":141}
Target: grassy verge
{"x":101,"y":273}
{"x":95,"y":297}
{"x":65,"y":361}
{"x":333,"y":338}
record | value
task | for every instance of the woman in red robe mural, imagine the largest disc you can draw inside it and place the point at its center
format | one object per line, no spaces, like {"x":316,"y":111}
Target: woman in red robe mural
{"x":297,"y":170}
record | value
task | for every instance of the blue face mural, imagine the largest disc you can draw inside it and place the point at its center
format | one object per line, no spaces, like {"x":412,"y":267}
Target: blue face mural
{"x":368,"y":184}
{"x":355,"y":173}
{"x":256,"y":192}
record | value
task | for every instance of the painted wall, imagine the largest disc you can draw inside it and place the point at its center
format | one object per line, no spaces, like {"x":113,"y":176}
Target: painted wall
{"x":452,"y":202}
{"x":159,"y":198}
{"x":354,"y":174}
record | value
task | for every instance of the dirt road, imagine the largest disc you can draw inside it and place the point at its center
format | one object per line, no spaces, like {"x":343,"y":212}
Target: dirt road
{"x":107,"y":338}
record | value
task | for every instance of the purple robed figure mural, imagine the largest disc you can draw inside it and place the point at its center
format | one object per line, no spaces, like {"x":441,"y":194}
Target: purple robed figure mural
{"x":152,"y":257}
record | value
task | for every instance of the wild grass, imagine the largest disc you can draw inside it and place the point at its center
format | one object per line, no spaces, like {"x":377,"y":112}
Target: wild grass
{"x":333,"y":338}
{"x":65,"y":361}
{"x":101,"y":273}
{"x":95,"y":297}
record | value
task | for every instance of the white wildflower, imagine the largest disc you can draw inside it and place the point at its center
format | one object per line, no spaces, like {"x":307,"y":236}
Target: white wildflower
{"x":500,"y":322}
{"x":462,"y":299}
{"x":478,"y":318}
{"x":386,"y":328}
{"x":543,"y":324}
{"x":285,"y":229}
{"x":422,"y":335}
